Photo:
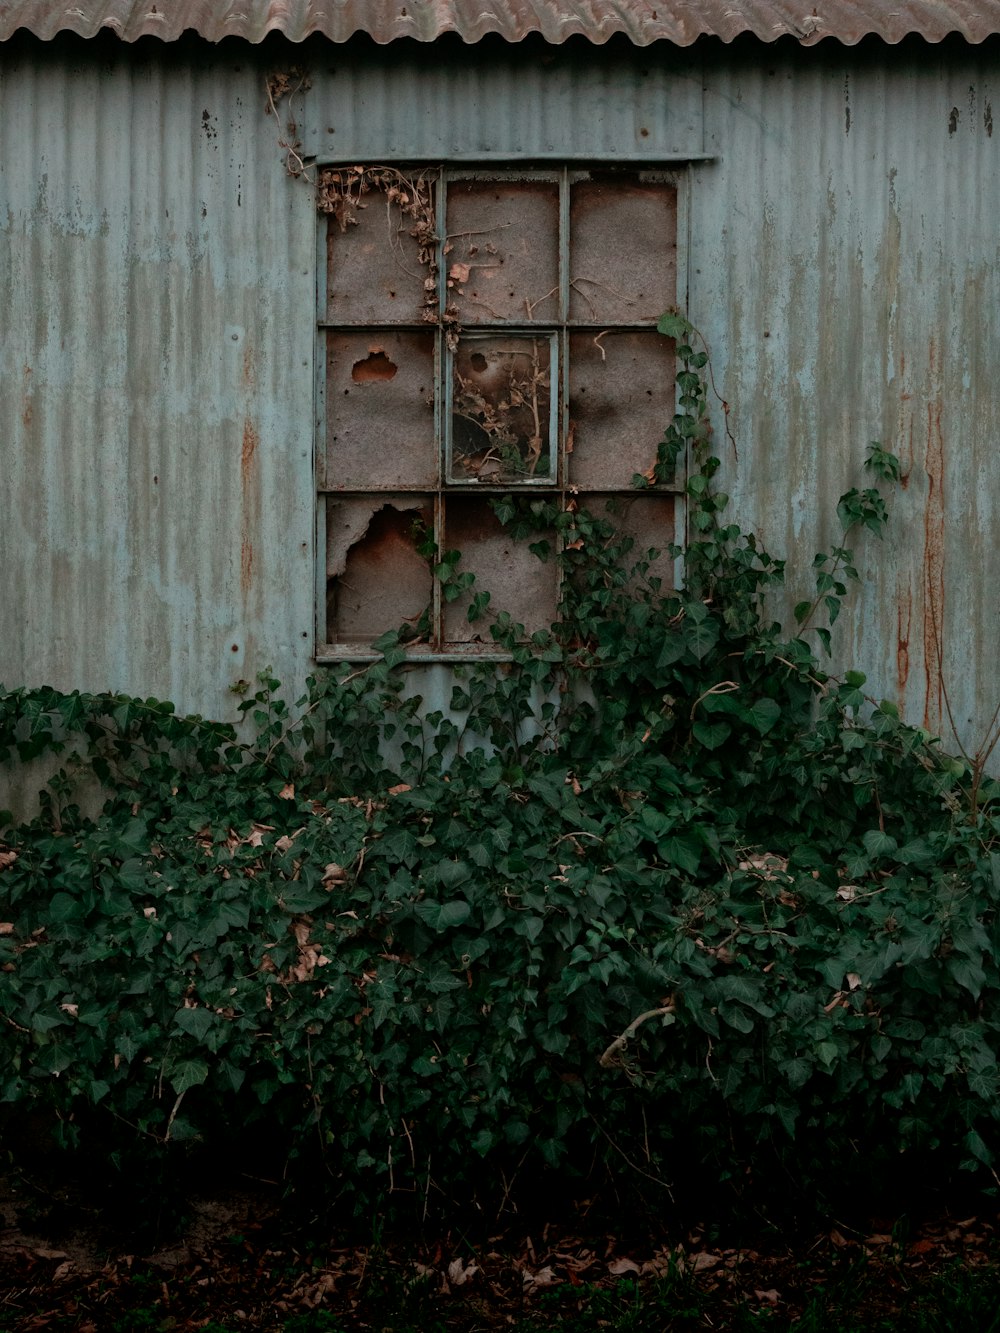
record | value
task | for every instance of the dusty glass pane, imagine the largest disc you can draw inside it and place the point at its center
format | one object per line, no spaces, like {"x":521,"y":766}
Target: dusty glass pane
{"x":503,"y":261}
{"x":380,"y":411}
{"x":650,"y":520}
{"x":621,"y":399}
{"x":501,"y":407}
{"x":376,"y":579}
{"x":380,"y":247}
{"x":623,"y":250}
{"x":517,"y":580}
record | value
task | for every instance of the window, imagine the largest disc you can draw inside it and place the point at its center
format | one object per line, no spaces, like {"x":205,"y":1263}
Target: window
{"x":485,"y":334}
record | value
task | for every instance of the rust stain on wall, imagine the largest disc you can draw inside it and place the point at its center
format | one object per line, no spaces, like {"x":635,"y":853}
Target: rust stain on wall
{"x":904,"y":612}
{"x":248,"y":483}
{"x":934,"y":521}
{"x":27,"y":398}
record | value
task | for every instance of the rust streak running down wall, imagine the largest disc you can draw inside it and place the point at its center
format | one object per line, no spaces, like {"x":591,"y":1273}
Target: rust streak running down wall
{"x":248,"y":483}
{"x":934,"y":546}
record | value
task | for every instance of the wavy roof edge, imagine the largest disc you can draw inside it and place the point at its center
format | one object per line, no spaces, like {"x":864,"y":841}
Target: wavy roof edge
{"x":680,"y":22}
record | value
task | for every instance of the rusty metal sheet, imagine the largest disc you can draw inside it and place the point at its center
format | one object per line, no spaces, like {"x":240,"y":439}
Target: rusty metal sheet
{"x":649,"y":521}
{"x":158,"y":292}
{"x":376,"y":577}
{"x":518,"y":581}
{"x":621,"y":396}
{"x":607,"y":284}
{"x":381,"y":434}
{"x":504,"y":260}
{"x":846,"y":280}
{"x":374,"y":269}
{"x":681,"y":22}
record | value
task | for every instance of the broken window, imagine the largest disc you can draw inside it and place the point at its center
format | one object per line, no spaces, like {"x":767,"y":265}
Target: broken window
{"x":485,"y":334}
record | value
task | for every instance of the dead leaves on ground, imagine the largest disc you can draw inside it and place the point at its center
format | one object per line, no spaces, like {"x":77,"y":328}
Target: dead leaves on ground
{"x":257,"y":1285}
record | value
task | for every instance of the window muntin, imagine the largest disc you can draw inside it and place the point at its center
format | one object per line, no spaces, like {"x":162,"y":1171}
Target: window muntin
{"x":485,"y":332}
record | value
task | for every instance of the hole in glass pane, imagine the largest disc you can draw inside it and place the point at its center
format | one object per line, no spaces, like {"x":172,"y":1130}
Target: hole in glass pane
{"x":376,"y":579}
{"x":380,"y":411}
{"x":501,"y":409}
{"x":375,"y":368}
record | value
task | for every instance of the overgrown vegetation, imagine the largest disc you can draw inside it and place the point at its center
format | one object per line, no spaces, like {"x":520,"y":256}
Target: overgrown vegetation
{"x":661,"y":911}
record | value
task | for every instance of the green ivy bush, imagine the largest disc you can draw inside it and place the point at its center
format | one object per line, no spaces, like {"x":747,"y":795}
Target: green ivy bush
{"x":660,"y":905}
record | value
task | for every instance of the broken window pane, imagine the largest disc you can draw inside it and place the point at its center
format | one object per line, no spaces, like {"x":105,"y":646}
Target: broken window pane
{"x":502,"y":409}
{"x":380,"y":246}
{"x":380,"y":411}
{"x":504,"y":258}
{"x":376,"y":579}
{"x":621,"y":399}
{"x":516,"y":579}
{"x":623,"y":250}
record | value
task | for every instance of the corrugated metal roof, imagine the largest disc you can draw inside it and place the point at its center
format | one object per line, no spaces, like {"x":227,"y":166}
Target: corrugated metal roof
{"x":642,"y":21}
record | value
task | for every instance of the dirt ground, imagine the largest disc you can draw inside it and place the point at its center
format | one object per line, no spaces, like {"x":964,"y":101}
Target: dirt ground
{"x":237,"y":1262}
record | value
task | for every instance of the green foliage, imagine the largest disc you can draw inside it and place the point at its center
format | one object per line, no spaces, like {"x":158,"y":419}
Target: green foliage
{"x":659,"y":902}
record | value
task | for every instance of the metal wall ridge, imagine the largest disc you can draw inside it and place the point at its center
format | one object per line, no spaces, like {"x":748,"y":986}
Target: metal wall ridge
{"x":680,"y":22}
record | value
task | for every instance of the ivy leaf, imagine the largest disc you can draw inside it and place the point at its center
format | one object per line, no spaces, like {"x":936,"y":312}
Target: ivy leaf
{"x":196,"y":1022}
{"x":674,"y":325}
{"x":444,"y":916}
{"x":878,"y":843}
{"x":711,"y":734}
{"x":701,"y":637}
{"x":763,"y":715}
{"x":186,"y":1074}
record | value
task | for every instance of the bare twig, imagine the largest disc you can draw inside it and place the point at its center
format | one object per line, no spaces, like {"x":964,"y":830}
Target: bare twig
{"x":723,"y":687}
{"x":173,"y":1115}
{"x":610,"y":1060}
{"x":634,"y":1165}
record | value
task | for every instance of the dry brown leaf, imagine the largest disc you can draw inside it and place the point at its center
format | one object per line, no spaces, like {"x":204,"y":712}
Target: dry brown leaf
{"x":704,"y":1262}
{"x":7,"y":859}
{"x":622,"y":1266}
{"x":287,"y":792}
{"x":399,"y":788}
{"x":771,"y":1296}
{"x":459,"y":1272}
{"x":459,"y":272}
{"x":544,"y":1277}
{"x":6,"y":927}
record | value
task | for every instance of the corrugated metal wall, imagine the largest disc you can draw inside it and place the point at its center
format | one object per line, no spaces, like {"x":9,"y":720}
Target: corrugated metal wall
{"x":156,"y":347}
{"x":157,"y":284}
{"x":848,"y":278}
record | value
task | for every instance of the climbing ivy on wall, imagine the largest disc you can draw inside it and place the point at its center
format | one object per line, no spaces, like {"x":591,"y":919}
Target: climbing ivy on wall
{"x":659,"y":902}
